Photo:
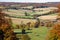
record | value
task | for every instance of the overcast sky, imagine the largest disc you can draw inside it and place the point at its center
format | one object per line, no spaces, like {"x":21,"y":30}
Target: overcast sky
{"x":37,"y":1}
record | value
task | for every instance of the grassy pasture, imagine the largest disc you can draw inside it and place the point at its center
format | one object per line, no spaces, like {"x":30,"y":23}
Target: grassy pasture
{"x":36,"y":33}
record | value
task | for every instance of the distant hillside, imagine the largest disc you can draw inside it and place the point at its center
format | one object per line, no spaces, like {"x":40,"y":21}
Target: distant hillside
{"x":30,"y":4}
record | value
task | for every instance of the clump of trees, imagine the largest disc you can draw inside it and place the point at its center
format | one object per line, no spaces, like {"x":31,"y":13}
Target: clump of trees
{"x":27,"y":14}
{"x":6,"y":33}
{"x":54,"y":33}
{"x":37,"y":24}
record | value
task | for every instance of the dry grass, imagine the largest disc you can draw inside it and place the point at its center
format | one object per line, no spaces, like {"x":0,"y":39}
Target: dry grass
{"x":18,"y":21}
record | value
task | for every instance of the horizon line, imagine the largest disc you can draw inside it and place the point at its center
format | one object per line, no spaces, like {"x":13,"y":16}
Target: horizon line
{"x":31,"y":2}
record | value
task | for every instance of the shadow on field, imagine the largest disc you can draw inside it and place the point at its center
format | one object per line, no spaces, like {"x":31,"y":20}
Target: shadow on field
{"x":21,"y":32}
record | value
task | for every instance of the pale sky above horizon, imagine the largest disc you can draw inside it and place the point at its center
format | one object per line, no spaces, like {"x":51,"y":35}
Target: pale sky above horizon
{"x":36,"y":1}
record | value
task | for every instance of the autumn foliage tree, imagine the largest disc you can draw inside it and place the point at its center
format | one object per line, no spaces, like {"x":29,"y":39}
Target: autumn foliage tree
{"x":54,"y":33}
{"x":6,"y":28}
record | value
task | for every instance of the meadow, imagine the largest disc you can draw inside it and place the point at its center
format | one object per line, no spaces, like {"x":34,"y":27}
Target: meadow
{"x":36,"y":33}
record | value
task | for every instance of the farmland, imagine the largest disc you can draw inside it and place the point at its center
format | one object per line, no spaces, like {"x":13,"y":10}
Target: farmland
{"x":29,"y":21}
{"x":36,"y":23}
{"x":28,"y":13}
{"x":36,"y":33}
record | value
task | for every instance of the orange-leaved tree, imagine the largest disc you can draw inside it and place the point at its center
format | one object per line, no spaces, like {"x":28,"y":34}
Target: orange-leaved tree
{"x":54,"y":33}
{"x":6,"y":33}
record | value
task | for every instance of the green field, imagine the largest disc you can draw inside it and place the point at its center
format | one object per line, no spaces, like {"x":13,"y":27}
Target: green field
{"x":22,"y":14}
{"x":36,"y":33}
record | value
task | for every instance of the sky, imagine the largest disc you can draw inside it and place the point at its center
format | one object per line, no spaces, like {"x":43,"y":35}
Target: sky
{"x":34,"y":1}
